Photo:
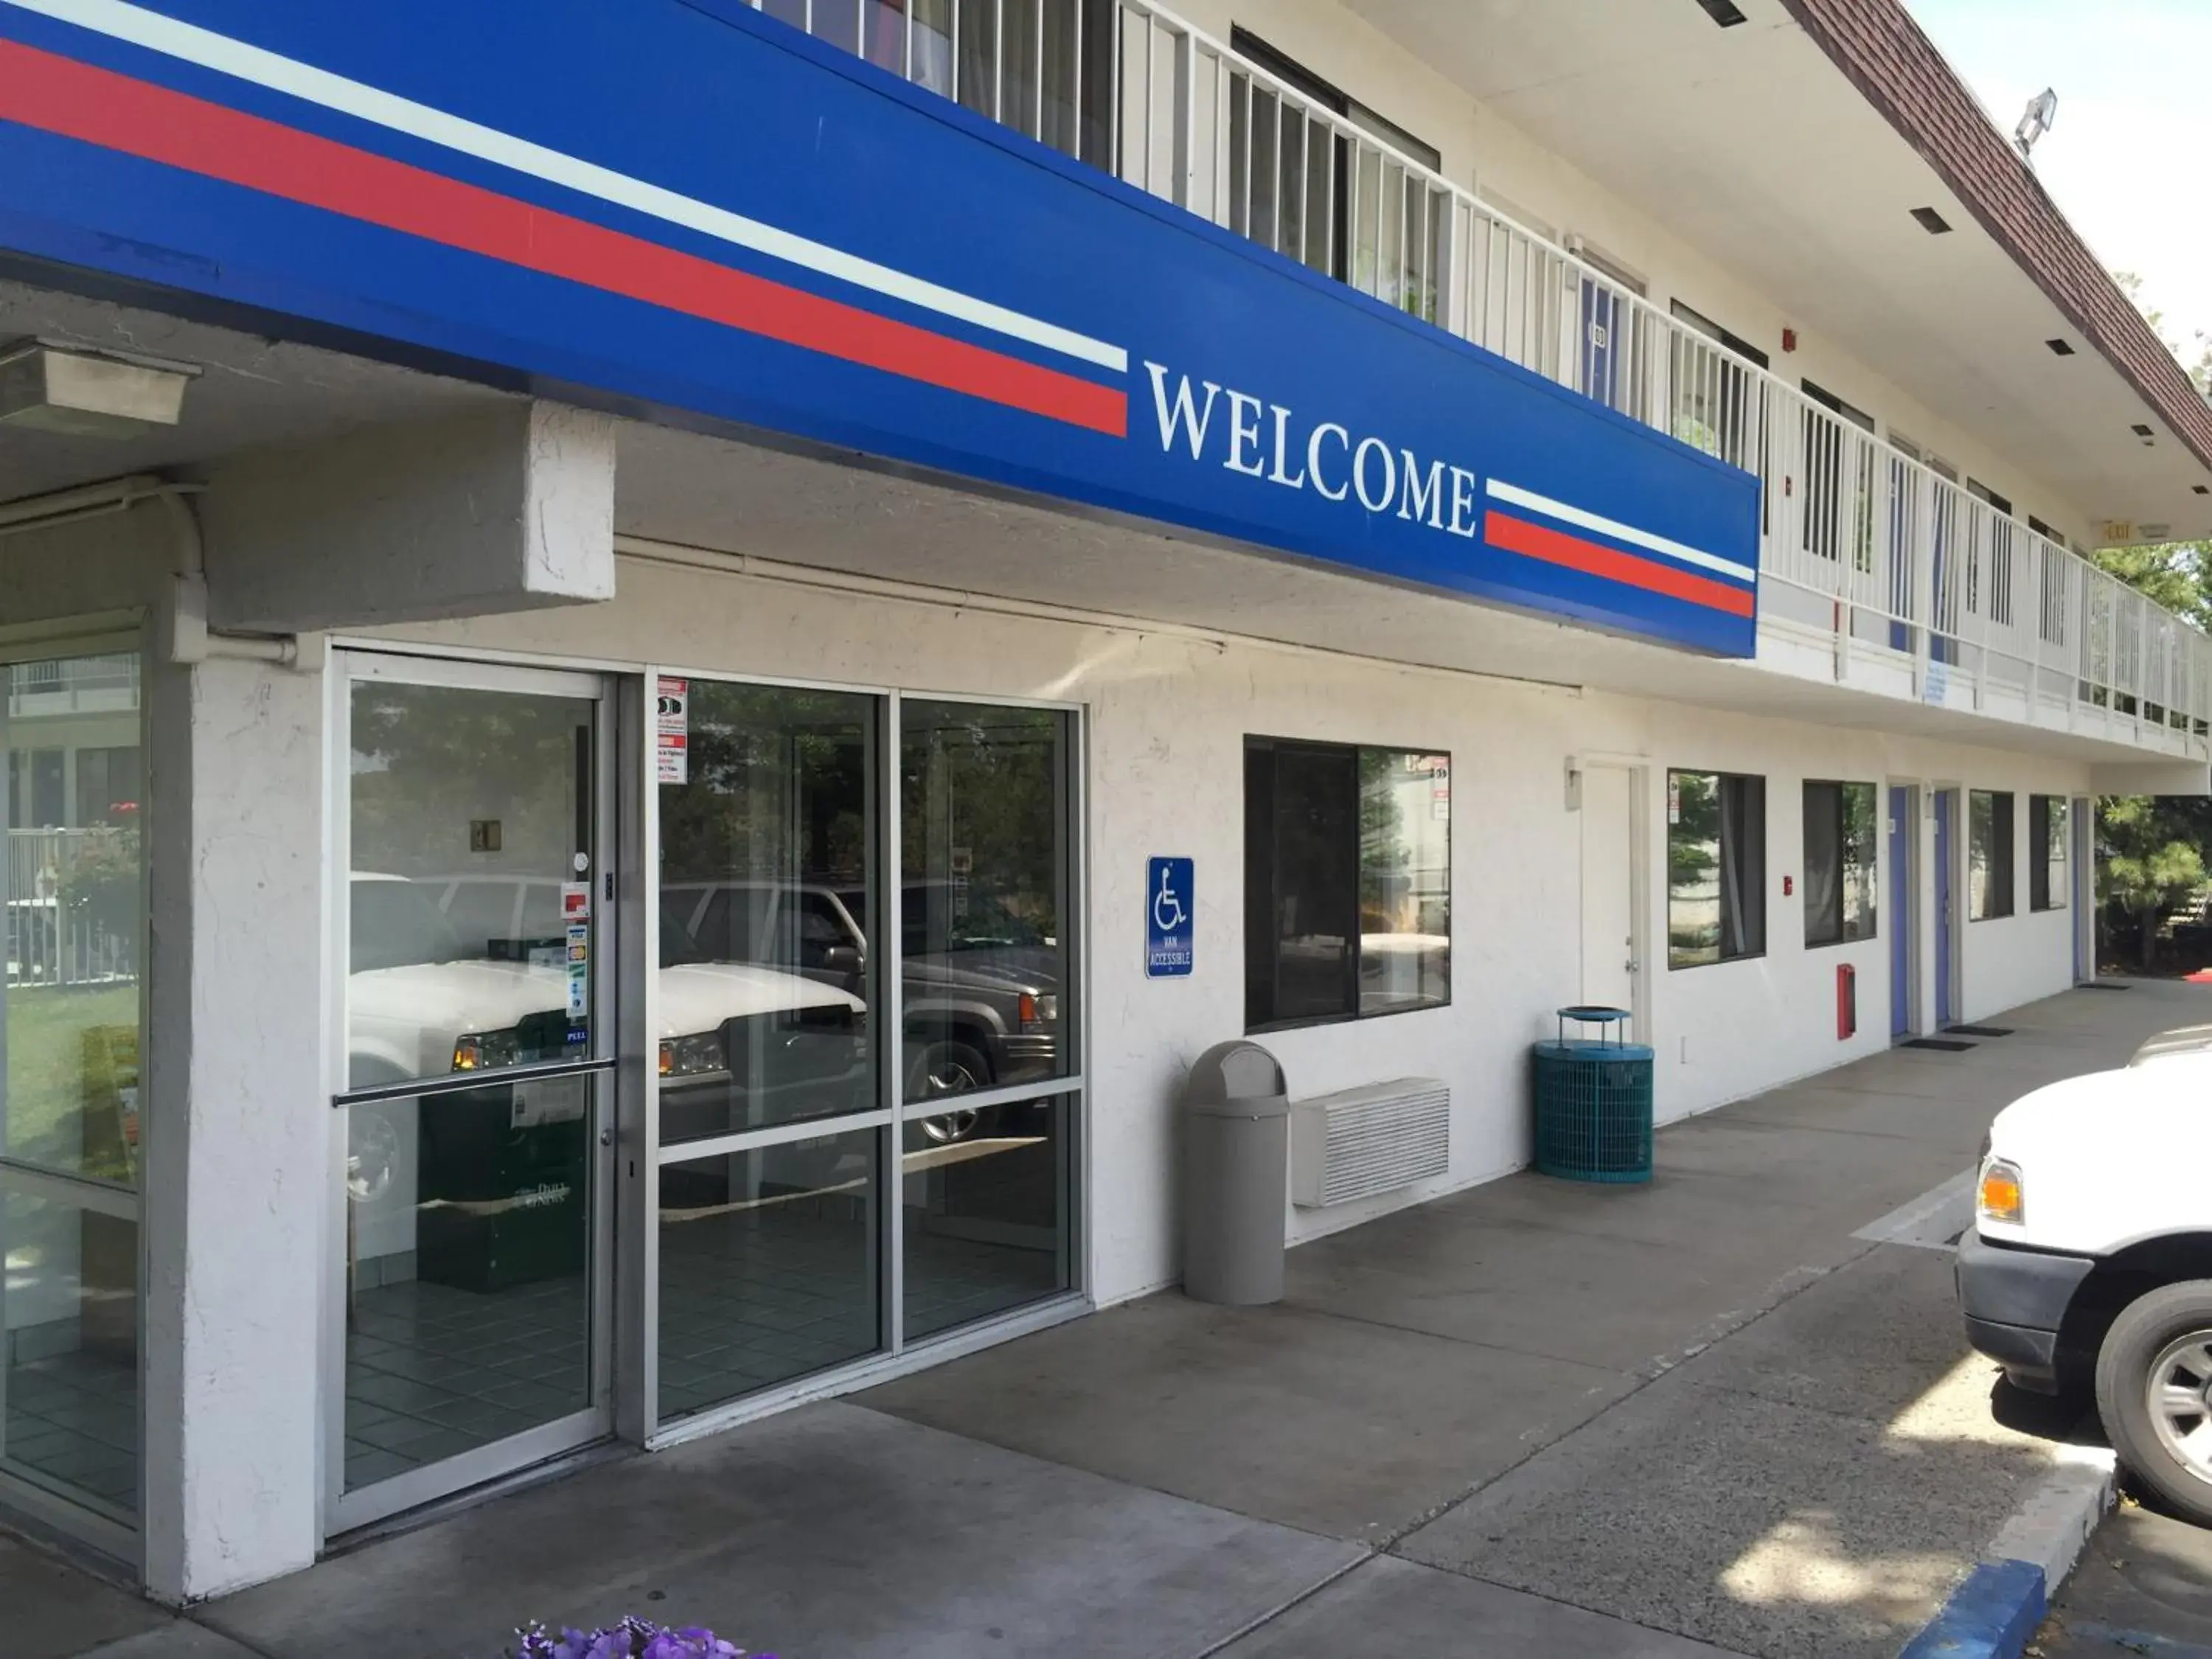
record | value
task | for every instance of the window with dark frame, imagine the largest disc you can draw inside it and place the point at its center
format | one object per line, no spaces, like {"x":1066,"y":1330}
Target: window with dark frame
{"x":2001,"y":533}
{"x":1716,"y":867}
{"x":1988,"y":854}
{"x":1347,"y":882}
{"x":1720,"y":406}
{"x":1839,"y":482}
{"x":1341,"y":208}
{"x":2047,"y":825}
{"x":1841,"y":849}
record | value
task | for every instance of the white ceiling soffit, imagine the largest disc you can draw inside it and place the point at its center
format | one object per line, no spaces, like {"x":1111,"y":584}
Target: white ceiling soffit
{"x":717,"y":496}
{"x":1752,"y":146}
{"x":254,"y":394}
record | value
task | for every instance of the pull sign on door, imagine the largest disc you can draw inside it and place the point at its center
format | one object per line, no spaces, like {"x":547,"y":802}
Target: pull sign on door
{"x":1170,"y":918}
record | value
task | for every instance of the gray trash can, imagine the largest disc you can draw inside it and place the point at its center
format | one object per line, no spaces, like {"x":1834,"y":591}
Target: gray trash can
{"x":1237,"y":1142}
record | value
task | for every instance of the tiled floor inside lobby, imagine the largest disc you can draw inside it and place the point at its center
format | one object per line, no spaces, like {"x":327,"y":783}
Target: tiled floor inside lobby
{"x":748,"y":1300}
{"x":73,"y":1418}
{"x":433,"y":1371}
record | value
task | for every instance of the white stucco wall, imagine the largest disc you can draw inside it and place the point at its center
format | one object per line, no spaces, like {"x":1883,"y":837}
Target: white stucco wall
{"x":2001,"y":960}
{"x":1168,"y":713}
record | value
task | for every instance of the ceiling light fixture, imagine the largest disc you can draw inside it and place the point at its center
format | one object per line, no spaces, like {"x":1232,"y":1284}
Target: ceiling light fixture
{"x":1722,"y":12}
{"x":2143,"y":432}
{"x":89,"y":392}
{"x":1931,"y":221}
{"x":2059,"y":348}
{"x":2200,"y":489}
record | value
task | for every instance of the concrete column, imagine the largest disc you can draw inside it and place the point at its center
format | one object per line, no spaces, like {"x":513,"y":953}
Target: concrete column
{"x":508,"y":508}
{"x":237,"y":1170}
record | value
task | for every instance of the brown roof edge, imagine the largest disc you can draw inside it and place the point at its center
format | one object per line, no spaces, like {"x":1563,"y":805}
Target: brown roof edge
{"x":1899,"y":71}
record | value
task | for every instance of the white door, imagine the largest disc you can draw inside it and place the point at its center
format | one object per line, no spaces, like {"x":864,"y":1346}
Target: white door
{"x":1609,"y":953}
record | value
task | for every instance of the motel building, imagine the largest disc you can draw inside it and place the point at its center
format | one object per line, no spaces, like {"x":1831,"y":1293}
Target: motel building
{"x":618,"y":615}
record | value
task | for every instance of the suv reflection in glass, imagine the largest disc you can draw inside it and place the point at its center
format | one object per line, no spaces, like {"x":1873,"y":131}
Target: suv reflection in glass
{"x":981,"y":985}
{"x":468,"y":973}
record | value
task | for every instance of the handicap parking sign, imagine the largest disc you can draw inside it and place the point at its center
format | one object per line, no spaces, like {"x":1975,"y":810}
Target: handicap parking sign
{"x":1171,"y":922}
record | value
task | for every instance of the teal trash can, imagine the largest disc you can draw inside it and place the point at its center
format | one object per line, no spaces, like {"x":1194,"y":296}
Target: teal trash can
{"x":1593,"y":1101}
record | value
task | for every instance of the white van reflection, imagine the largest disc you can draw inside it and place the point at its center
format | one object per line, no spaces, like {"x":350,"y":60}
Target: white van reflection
{"x":740,"y":1045}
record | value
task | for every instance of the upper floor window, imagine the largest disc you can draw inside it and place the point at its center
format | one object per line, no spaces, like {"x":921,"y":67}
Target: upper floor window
{"x":1720,"y":405}
{"x":1042,"y":67}
{"x":1314,"y":190}
{"x":2004,"y":540}
{"x":1838,"y":480}
{"x":1835,"y":405}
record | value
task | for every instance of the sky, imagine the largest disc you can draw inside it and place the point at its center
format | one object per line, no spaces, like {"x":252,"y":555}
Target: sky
{"x":2129,"y":156}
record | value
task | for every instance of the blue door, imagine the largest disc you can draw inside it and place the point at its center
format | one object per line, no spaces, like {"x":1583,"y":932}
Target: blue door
{"x":1946,"y":805}
{"x":1603,"y":312}
{"x":1900,"y":911}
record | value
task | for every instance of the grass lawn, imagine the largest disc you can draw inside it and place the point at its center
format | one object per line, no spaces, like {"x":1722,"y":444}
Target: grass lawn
{"x":48,"y":1093}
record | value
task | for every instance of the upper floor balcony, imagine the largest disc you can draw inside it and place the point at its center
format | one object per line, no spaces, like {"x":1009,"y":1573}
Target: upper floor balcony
{"x":1879,"y":567}
{"x":1285,"y":326}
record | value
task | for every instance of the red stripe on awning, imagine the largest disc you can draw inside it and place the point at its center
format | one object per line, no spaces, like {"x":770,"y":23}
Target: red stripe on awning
{"x":78,"y":100}
{"x":1537,"y":541}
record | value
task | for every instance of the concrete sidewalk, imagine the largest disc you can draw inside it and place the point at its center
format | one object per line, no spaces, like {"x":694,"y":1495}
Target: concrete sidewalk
{"x":1731,"y":1411}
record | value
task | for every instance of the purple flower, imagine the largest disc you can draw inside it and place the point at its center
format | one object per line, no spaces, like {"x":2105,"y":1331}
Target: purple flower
{"x":633,"y":1638}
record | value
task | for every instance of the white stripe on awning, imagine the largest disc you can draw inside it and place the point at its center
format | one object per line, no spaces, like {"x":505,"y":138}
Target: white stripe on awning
{"x":1619,"y":531}
{"x":120,"y":20}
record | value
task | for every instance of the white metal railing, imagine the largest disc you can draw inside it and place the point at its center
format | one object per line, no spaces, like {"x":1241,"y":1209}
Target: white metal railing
{"x":72,"y":684}
{"x":1901,"y":559}
{"x":48,"y":940}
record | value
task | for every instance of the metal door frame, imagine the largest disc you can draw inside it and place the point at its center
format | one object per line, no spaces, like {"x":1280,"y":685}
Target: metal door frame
{"x":344,"y":1512}
{"x":1908,"y":914}
{"x":643,"y":1156}
{"x":1947,"y":915}
{"x":2081,"y":883}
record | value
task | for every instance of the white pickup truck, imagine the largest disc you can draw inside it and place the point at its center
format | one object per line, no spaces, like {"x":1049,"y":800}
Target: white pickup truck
{"x":2092,"y":1255}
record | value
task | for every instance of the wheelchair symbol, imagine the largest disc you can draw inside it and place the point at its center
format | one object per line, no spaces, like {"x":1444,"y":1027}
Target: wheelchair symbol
{"x":1168,"y":914}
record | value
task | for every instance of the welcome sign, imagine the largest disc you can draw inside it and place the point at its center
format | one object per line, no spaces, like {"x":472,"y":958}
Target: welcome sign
{"x":684,"y":206}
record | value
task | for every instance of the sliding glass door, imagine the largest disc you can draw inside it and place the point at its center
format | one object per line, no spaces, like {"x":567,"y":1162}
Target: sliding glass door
{"x":867,"y":1095}
{"x":770,"y":1166}
{"x":986,"y":965}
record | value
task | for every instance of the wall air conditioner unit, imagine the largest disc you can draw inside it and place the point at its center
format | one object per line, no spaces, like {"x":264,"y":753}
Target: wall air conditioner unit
{"x":1368,"y":1140}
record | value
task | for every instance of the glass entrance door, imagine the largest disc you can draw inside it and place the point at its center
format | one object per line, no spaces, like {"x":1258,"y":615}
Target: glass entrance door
{"x":868,"y":1096}
{"x":72,"y":998}
{"x":474,"y":1092}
